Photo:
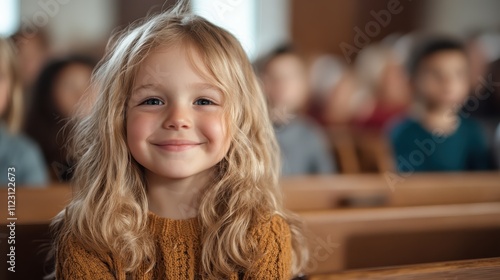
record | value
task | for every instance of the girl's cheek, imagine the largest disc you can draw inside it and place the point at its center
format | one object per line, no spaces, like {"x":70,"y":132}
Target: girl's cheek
{"x":218,"y":132}
{"x":215,"y":124}
{"x":136,"y":127}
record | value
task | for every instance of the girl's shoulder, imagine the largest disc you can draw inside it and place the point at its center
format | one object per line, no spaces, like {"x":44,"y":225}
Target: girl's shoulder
{"x":274,"y":243}
{"x":72,"y":246}
{"x":271,"y":226}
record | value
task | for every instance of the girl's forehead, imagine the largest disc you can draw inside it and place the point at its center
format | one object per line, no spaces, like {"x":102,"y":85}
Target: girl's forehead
{"x":175,"y":52}
{"x":166,"y":61}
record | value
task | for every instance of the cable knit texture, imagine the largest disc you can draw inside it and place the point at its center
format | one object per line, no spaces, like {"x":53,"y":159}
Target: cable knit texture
{"x":178,"y":254}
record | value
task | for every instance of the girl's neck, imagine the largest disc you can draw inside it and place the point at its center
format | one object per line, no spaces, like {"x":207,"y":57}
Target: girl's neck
{"x":442,"y":120}
{"x":175,"y":198}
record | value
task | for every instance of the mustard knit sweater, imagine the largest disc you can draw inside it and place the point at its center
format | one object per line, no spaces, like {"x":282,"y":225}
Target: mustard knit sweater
{"x":178,"y":254}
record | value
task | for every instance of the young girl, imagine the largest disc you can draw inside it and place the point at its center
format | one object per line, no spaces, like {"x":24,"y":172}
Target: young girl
{"x":17,"y":153}
{"x":177,"y":171}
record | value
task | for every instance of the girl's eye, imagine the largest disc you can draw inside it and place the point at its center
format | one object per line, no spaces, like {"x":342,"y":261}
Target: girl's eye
{"x":152,"y":101}
{"x":203,"y":101}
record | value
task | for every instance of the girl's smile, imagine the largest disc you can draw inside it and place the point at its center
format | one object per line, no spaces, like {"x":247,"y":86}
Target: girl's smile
{"x":177,"y":145}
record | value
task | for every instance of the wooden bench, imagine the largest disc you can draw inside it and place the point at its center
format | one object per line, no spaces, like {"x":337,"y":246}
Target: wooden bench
{"x":377,"y":237}
{"x":35,"y":205}
{"x":304,"y":193}
{"x":343,"y":147}
{"x":478,"y":269}
{"x":361,"y":150}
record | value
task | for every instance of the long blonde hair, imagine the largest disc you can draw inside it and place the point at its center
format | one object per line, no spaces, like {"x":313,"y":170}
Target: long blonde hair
{"x":13,"y":116}
{"x":109,"y":209}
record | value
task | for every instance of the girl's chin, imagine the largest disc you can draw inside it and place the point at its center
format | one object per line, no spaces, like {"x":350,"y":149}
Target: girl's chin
{"x":177,"y":173}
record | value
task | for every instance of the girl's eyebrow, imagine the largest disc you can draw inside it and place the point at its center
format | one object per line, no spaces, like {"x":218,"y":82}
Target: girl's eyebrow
{"x":192,"y":86}
{"x":145,"y":86}
{"x":203,"y":86}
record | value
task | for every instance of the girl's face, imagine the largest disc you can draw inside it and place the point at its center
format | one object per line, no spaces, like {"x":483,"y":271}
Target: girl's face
{"x":5,"y":87}
{"x":175,"y":126}
{"x":71,"y":84}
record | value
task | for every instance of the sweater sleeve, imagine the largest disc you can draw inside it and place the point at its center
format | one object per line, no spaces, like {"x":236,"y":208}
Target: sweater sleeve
{"x":75,"y":262}
{"x":275,"y":245}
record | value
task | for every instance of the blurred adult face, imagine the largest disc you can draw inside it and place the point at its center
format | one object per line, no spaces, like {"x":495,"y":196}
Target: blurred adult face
{"x":72,"y":83}
{"x":442,"y":79}
{"x":285,"y":82}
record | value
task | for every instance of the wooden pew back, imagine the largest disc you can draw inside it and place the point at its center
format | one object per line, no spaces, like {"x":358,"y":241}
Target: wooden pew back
{"x":305,"y":193}
{"x":361,"y":150}
{"x":36,"y":205}
{"x":363,"y":238}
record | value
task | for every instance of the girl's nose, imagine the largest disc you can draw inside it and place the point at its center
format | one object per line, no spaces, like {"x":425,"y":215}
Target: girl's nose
{"x":177,"y":118}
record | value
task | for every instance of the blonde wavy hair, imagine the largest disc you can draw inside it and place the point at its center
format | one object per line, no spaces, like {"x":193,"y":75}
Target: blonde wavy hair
{"x":13,"y":115}
{"x":109,"y":209}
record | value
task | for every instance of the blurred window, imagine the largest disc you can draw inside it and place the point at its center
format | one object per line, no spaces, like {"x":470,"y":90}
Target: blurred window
{"x":9,"y":17}
{"x":237,"y":16}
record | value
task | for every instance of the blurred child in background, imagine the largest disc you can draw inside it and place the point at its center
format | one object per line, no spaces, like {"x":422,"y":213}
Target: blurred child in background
{"x":333,"y":85}
{"x":16,"y":151}
{"x":436,"y":138}
{"x":383,"y":91}
{"x":304,"y":149}
{"x":483,"y":104}
{"x":57,"y":95}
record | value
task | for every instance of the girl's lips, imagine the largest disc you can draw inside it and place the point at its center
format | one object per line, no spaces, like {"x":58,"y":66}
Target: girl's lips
{"x":177,"y":145}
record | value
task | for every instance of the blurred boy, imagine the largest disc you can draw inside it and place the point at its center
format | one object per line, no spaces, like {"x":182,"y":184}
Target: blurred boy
{"x":436,"y":138}
{"x":303,"y":145}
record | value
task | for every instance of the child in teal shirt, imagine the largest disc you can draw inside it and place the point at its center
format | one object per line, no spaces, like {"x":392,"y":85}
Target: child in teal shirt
{"x":435,"y":137}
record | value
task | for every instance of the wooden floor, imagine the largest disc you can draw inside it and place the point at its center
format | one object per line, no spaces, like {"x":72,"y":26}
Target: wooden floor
{"x":480,"y":269}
